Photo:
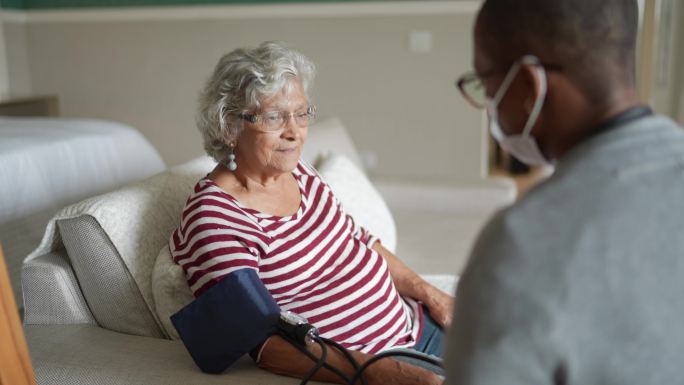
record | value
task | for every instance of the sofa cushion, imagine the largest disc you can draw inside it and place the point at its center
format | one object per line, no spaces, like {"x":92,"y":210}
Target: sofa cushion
{"x":89,"y":355}
{"x":137,"y":220}
{"x":51,"y":292}
{"x":170,"y":289}
{"x":359,"y":198}
{"x":95,"y":261}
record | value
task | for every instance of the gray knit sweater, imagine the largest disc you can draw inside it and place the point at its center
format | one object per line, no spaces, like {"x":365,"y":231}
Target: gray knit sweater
{"x":582,"y":281}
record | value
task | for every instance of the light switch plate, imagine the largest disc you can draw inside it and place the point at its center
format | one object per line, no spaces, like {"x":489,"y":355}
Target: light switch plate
{"x":420,"y":41}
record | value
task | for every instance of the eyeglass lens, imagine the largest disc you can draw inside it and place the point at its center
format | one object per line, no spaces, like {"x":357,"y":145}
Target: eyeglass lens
{"x":474,"y":90}
{"x":277,"y":119}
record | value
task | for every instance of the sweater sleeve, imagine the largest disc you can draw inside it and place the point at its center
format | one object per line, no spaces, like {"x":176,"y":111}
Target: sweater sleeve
{"x":503,"y":330}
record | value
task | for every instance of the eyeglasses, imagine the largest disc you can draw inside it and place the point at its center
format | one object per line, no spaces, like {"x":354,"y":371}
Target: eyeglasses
{"x":473,"y":88}
{"x":276,"y":120}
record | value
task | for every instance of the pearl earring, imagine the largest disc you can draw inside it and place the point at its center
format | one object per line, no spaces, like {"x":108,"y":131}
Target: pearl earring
{"x":232,"y":165}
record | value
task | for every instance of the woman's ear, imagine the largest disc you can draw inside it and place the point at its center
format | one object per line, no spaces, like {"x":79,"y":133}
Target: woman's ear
{"x":232,"y":130}
{"x":227,"y":137}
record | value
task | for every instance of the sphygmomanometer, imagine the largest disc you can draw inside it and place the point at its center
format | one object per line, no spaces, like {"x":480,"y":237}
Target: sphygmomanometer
{"x":238,"y":314}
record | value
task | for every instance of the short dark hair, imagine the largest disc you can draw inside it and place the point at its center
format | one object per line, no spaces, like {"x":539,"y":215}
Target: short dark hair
{"x":594,"y":40}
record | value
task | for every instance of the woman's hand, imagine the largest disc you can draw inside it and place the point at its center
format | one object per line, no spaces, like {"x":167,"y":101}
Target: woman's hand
{"x":410,"y":284}
{"x":440,"y":305}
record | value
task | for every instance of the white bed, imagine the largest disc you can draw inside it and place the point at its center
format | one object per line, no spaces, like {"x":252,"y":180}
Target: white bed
{"x":47,"y":163}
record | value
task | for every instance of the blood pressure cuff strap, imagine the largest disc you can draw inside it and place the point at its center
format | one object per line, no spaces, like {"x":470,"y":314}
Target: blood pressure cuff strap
{"x":233,"y":317}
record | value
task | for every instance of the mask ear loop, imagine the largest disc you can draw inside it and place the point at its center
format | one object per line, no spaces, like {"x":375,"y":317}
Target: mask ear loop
{"x":510,"y":76}
{"x":503,"y":88}
{"x":492,"y":106}
{"x":539,"y":103}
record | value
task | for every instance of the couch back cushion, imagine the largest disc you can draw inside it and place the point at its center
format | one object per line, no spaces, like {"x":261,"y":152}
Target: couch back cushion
{"x":113,"y":241}
{"x":327,"y":137}
{"x":170,"y":289}
{"x":359,"y":197}
{"x":112,"y":295}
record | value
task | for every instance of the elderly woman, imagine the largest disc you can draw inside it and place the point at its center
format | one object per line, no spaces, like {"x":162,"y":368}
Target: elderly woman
{"x":263,"y":208}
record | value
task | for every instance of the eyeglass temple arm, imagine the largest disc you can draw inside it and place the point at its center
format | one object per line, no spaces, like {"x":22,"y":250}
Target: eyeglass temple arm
{"x":248,"y":117}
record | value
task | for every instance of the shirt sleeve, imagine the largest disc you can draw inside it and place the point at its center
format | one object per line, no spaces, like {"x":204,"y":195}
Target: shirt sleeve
{"x":503,"y":330}
{"x":209,"y":247}
{"x":361,"y":233}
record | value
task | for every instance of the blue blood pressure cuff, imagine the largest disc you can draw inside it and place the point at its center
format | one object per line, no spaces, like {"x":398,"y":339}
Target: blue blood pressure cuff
{"x":232,"y":318}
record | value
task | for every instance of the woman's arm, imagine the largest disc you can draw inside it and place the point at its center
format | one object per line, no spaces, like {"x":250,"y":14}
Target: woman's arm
{"x":410,"y":284}
{"x":280,"y":357}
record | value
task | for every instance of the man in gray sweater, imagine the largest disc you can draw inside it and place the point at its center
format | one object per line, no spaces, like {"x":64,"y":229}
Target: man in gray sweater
{"x":582,"y":280}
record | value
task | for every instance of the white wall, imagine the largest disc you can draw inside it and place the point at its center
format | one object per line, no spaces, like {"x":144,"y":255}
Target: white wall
{"x":678,"y":103}
{"x":668,"y":59}
{"x":19,"y":76}
{"x":4,"y":72}
{"x":145,"y":69}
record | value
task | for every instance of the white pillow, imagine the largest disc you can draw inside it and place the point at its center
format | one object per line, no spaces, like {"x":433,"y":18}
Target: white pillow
{"x":170,"y":290}
{"x":326,"y":137}
{"x":359,"y":198}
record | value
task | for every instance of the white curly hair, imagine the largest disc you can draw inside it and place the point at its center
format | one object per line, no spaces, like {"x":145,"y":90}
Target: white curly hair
{"x":239,"y":81}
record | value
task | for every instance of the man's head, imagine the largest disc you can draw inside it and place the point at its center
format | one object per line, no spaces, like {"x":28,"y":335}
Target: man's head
{"x":594,"y":41}
{"x":586,"y":46}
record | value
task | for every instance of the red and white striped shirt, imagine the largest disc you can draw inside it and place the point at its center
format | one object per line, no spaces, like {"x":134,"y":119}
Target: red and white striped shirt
{"x":317,"y":263}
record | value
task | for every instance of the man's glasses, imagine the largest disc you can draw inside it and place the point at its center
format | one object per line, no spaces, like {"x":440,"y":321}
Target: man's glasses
{"x":276,"y":120}
{"x":473,"y":89}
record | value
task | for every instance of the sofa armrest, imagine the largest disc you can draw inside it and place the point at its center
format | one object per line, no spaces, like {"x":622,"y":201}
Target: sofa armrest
{"x":485,"y":196}
{"x":51,"y":292}
{"x":444,"y":282}
{"x":85,"y":354}
{"x":438,"y":222}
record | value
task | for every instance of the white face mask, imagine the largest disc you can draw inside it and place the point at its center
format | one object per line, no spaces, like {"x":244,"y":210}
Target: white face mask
{"x":522,"y":146}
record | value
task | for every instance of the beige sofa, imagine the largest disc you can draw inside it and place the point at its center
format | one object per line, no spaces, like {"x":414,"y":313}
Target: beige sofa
{"x":92,"y":312}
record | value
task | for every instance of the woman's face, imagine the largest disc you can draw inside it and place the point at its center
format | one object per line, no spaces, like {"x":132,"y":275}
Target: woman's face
{"x":275,"y":152}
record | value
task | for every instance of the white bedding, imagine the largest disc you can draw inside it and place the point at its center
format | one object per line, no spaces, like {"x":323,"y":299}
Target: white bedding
{"x":47,"y":163}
